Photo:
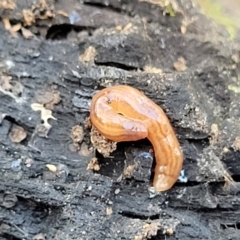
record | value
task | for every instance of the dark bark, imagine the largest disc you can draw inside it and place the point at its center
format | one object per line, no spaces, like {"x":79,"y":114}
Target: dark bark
{"x":80,"y":203}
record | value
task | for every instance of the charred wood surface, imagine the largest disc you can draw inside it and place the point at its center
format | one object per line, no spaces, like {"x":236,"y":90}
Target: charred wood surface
{"x":78,"y":48}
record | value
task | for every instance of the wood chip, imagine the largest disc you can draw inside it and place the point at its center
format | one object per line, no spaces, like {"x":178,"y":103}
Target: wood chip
{"x":17,"y":134}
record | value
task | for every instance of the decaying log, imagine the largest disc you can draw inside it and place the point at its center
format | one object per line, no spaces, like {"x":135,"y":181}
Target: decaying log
{"x":51,"y":65}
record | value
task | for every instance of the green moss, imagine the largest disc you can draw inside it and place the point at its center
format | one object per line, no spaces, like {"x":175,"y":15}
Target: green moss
{"x":169,"y":10}
{"x":215,"y":11}
{"x":233,"y":88}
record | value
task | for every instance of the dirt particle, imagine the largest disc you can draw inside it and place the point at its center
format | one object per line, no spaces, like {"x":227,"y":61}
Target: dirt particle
{"x":151,"y":151}
{"x":11,"y":28}
{"x":236,"y":144}
{"x":63,"y":13}
{"x":17,"y":134}
{"x":127,"y":28}
{"x":88,"y":56}
{"x":62,"y":171}
{"x":88,"y":123}
{"x":5,"y":83}
{"x":180,"y":64}
{"x":225,"y":150}
{"x":7,"y":4}
{"x":214,"y":138}
{"x":44,"y":97}
{"x":28,"y":162}
{"x":56,"y":173}
{"x":93,"y":164}
{"x":183,"y":29}
{"x":128,"y":171}
{"x":77,"y":134}
{"x":13,"y":87}
{"x":8,"y":200}
{"x":117,"y":191}
{"x":38,"y":11}
{"x":102,"y":144}
{"x":201,"y":122}
{"x":27,"y":34}
{"x":42,"y":130}
{"x":85,"y":150}
{"x":48,"y":98}
{"x":109,"y":211}
{"x":147,"y":231}
{"x":39,"y":236}
{"x":51,"y":167}
{"x":170,"y":231}
{"x":150,"y":69}
{"x":235,"y":58}
{"x":28,"y":17}
{"x":119,"y":28}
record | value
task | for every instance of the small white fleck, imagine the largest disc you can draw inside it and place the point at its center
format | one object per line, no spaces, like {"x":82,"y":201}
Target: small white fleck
{"x":9,"y":64}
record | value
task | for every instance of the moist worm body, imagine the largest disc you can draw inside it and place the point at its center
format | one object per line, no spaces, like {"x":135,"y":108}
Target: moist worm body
{"x":122,"y":113}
